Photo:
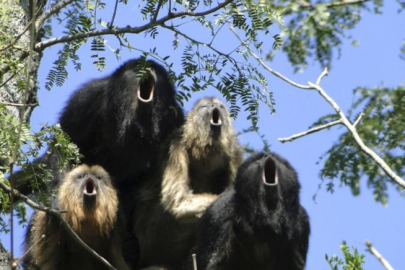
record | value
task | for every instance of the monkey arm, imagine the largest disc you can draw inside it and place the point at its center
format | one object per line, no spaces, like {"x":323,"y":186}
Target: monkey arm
{"x":176,"y":195}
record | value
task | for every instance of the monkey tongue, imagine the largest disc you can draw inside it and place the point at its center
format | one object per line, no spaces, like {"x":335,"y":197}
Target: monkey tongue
{"x":90,"y":187}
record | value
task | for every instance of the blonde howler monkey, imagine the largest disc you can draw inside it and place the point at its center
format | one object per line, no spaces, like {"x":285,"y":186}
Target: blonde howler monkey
{"x":91,"y":204}
{"x":198,"y":163}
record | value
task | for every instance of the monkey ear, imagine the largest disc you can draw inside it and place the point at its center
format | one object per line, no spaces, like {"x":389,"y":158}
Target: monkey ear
{"x":270,"y":176}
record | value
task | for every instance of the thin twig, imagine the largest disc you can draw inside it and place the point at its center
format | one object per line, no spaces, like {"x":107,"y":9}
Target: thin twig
{"x":18,"y":104}
{"x":29,"y":249}
{"x":53,"y":10}
{"x":377,"y":254}
{"x":194,"y":261}
{"x":155,"y":15}
{"x":358,"y":119}
{"x":58,"y":215}
{"x":114,"y":13}
{"x":309,"y":131}
{"x":259,"y":59}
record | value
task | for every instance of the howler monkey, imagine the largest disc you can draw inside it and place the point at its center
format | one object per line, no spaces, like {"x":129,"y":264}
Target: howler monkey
{"x":91,"y":206}
{"x":258,"y":223}
{"x":198,"y":163}
{"x":120,"y":120}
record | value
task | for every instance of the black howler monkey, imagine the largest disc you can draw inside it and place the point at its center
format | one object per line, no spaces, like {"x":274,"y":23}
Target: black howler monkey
{"x":258,"y":223}
{"x":120,"y":120}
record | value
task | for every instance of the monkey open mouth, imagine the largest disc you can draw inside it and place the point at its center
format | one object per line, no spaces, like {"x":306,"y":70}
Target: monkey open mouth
{"x":216,"y":117}
{"x":146,"y":89}
{"x":269,"y":176}
{"x":90,"y":187}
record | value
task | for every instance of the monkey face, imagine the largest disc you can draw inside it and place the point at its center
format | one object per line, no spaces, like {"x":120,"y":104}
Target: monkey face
{"x":212,"y":116}
{"x":87,"y":183}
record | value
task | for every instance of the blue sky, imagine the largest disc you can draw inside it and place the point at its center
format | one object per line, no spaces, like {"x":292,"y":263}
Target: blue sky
{"x":334,"y":217}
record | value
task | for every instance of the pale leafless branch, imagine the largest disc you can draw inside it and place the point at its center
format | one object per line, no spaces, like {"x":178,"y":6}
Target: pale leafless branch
{"x":260,"y":60}
{"x":309,"y":131}
{"x":57,"y":214}
{"x":368,"y":151}
{"x":344,"y":120}
{"x":358,"y":119}
{"x":377,"y":254}
{"x":194,"y":261}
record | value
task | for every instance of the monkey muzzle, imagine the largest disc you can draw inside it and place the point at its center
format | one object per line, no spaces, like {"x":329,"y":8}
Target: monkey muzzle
{"x":90,"y":192}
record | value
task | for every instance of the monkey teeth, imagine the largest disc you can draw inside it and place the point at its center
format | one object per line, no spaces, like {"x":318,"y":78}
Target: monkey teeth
{"x":90,"y":187}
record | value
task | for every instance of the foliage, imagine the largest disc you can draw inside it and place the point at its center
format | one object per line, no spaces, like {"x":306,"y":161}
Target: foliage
{"x":381,"y":128}
{"x":352,"y":261}
{"x":317,"y":30}
{"x":29,"y":145}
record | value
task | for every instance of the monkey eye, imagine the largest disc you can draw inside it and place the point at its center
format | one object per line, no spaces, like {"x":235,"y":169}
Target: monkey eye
{"x":98,"y":176}
{"x":82,"y":175}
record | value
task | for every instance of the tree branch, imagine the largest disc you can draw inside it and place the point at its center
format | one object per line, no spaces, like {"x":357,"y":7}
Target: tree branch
{"x":54,"y":9}
{"x":57,"y":214}
{"x":383,"y":165}
{"x":377,"y":254}
{"x":131,"y":30}
{"x":309,"y":131}
{"x":261,"y":62}
{"x":351,"y":127}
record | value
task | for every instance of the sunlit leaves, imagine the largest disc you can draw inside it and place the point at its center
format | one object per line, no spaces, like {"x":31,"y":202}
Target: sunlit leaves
{"x":352,"y":260}
{"x":383,"y":129}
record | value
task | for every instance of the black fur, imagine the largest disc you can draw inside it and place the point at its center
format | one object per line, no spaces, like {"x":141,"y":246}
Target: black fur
{"x":253,"y":225}
{"x":113,"y":127}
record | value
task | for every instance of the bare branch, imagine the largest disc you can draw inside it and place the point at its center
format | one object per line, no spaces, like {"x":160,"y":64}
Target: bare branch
{"x":194,"y":261}
{"x":383,"y":165}
{"x":54,"y":9}
{"x":155,"y":15}
{"x":264,"y":65}
{"x":57,"y":214}
{"x":114,"y":13}
{"x":323,"y":74}
{"x":377,"y":254}
{"x":358,"y":119}
{"x":18,"y":104}
{"x":343,"y":119}
{"x":309,"y":131}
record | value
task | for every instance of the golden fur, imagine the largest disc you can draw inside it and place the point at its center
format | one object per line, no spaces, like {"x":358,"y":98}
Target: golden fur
{"x":99,"y":220}
{"x":197,"y":164}
{"x":53,"y":248}
{"x":196,"y":145}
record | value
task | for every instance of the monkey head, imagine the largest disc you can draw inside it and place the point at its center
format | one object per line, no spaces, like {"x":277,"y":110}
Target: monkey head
{"x":209,"y":122}
{"x":88,"y":196}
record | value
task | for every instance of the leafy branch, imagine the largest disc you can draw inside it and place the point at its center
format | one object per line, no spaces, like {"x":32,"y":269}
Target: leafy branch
{"x":343,"y":119}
